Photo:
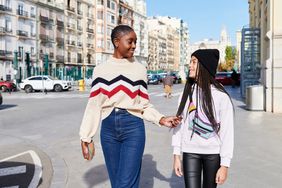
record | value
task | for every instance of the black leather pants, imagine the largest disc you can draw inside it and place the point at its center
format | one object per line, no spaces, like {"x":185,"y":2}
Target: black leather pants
{"x":195,"y":164}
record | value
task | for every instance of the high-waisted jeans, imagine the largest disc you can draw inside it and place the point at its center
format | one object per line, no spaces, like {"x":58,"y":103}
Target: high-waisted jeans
{"x":195,"y":164}
{"x":123,"y":141}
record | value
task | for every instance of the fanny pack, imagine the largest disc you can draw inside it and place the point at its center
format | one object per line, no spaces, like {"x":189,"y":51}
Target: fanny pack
{"x":199,"y":124}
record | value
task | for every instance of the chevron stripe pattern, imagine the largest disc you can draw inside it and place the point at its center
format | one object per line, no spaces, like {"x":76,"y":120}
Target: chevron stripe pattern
{"x":120,"y":83}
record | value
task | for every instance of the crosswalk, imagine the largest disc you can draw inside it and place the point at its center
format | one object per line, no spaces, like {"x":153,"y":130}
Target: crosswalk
{"x":70,"y":95}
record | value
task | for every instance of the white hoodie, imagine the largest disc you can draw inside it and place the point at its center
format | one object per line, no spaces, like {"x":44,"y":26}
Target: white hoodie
{"x":220,"y":144}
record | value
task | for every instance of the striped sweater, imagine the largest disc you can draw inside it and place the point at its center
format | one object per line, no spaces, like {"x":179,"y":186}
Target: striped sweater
{"x":120,"y":83}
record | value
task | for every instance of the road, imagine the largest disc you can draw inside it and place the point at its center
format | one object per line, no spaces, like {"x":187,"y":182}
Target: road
{"x":39,"y":140}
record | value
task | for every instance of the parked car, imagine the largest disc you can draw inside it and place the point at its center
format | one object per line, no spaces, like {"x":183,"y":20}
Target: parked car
{"x":7,"y":86}
{"x":162,"y":75}
{"x":154,"y":79}
{"x":43,"y":82}
{"x":1,"y":98}
{"x":225,"y":78}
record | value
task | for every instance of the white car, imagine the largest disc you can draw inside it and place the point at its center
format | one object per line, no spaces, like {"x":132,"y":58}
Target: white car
{"x":42,"y":82}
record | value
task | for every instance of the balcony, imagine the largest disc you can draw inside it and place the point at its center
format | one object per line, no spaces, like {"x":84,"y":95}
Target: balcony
{"x":79,"y":12}
{"x":43,"y":37}
{"x":71,"y":9}
{"x":5,"y":30}
{"x":60,"y":24}
{"x":60,"y":41}
{"x":71,"y":26}
{"x":90,"y":30}
{"x":71,"y":42}
{"x":22,"y":33}
{"x":79,"y":44}
{"x":60,"y":58}
{"x":22,"y":13}
{"x":89,"y":15}
{"x":46,"y":20}
{"x":6,"y":55}
{"x":5,"y":8}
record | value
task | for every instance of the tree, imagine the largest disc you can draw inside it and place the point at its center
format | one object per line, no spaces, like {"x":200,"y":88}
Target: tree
{"x":230,"y":55}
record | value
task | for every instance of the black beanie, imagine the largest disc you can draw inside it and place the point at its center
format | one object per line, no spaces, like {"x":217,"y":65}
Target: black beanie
{"x":208,"y":58}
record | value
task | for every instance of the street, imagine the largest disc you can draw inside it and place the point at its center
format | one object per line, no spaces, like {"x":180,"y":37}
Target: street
{"x":39,"y":134}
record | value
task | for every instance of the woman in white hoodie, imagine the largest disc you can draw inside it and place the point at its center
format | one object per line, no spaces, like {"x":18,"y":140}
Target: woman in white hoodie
{"x":205,"y":135}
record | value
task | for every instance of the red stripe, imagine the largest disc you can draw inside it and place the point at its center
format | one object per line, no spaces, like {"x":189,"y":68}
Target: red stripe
{"x":117,"y":89}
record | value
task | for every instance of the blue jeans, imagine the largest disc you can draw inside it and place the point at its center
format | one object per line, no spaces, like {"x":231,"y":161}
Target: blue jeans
{"x":123,"y":141}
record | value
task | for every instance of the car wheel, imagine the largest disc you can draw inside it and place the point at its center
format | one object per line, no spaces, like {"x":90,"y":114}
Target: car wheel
{"x":28,"y":88}
{"x":58,"y":88}
{"x":3,"y":88}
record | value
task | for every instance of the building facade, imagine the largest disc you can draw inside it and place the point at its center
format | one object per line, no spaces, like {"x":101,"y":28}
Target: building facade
{"x":266,"y":15}
{"x":17,"y":38}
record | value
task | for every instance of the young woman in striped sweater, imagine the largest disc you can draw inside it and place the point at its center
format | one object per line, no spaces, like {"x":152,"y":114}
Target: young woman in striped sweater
{"x":119,"y":100}
{"x":205,"y":135}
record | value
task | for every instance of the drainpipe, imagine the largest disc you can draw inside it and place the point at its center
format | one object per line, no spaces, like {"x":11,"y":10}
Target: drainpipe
{"x":269,"y":61}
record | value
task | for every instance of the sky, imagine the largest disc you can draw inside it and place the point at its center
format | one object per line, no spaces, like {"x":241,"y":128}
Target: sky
{"x":205,"y":18}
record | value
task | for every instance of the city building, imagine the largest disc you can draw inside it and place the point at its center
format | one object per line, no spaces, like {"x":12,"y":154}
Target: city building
{"x":182,"y":33}
{"x":266,"y":16}
{"x":238,"y":48}
{"x":140,"y":28}
{"x":17,"y":38}
{"x":164,"y":45}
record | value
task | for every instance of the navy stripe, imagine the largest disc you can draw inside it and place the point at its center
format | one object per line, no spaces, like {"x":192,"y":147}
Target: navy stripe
{"x":202,"y":127}
{"x":120,"y":77}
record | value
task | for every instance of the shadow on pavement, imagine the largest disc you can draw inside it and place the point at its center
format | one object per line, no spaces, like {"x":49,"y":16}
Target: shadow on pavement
{"x":149,"y":172}
{"x":6,"y":106}
{"x":96,"y":175}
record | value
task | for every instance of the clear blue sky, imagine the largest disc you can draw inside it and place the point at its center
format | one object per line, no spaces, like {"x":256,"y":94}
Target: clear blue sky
{"x":205,"y":18}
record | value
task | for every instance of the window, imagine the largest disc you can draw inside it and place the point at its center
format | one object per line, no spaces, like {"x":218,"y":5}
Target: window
{"x":100,"y":2}
{"x":100,"y":15}
{"x":113,"y":5}
{"x":108,"y":3}
{"x":100,"y":29}
{"x":111,"y":18}
{"x":109,"y":31}
{"x":100,"y":43}
{"x":32,"y":52}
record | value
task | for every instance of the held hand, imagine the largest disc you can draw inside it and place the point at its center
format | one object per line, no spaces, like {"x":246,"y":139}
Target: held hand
{"x":170,"y":121}
{"x":88,"y":150}
{"x":221,"y":175}
{"x":177,"y":166}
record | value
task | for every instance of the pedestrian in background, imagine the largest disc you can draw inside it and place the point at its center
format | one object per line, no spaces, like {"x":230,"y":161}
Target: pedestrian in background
{"x":119,"y":100}
{"x":235,"y":78}
{"x":205,"y":135}
{"x":168,"y":83}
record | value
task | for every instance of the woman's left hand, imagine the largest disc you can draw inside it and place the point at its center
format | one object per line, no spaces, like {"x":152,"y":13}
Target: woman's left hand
{"x":221,"y":175}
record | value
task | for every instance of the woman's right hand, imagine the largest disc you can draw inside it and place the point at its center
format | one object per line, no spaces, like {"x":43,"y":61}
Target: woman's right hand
{"x":177,"y":166}
{"x":88,"y":150}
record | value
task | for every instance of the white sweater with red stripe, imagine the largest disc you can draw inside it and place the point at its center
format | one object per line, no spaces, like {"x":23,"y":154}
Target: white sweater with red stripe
{"x":120,"y":83}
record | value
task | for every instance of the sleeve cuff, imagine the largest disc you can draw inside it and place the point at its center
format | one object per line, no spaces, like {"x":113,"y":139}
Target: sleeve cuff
{"x":159,"y":117}
{"x":176,"y":150}
{"x":225,"y":162}
{"x":88,"y":140}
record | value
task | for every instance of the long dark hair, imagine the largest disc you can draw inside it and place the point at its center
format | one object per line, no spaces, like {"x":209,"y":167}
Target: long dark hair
{"x":204,"y":80}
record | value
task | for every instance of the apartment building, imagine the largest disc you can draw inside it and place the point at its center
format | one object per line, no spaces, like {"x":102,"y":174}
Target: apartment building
{"x":107,"y":13}
{"x":79,"y":38}
{"x":168,"y":46}
{"x":140,"y":28}
{"x":182,"y":33}
{"x":266,"y":16}
{"x":50,"y":43}
{"x":17,"y":38}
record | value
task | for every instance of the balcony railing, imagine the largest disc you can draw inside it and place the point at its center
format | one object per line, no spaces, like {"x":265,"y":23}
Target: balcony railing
{"x":22,"y":33}
{"x":43,"y":37}
{"x":43,"y":19}
{"x":60,"y":41}
{"x":6,"y":30}
{"x":71,"y":25}
{"x":72,"y":9}
{"x":60,"y":58}
{"x":6,"y":53}
{"x":32,"y":15}
{"x":89,"y":15}
{"x":21,"y":12}
{"x":60,"y":23}
{"x":90,"y":30}
{"x":5,"y":8}
{"x":70,"y":42}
